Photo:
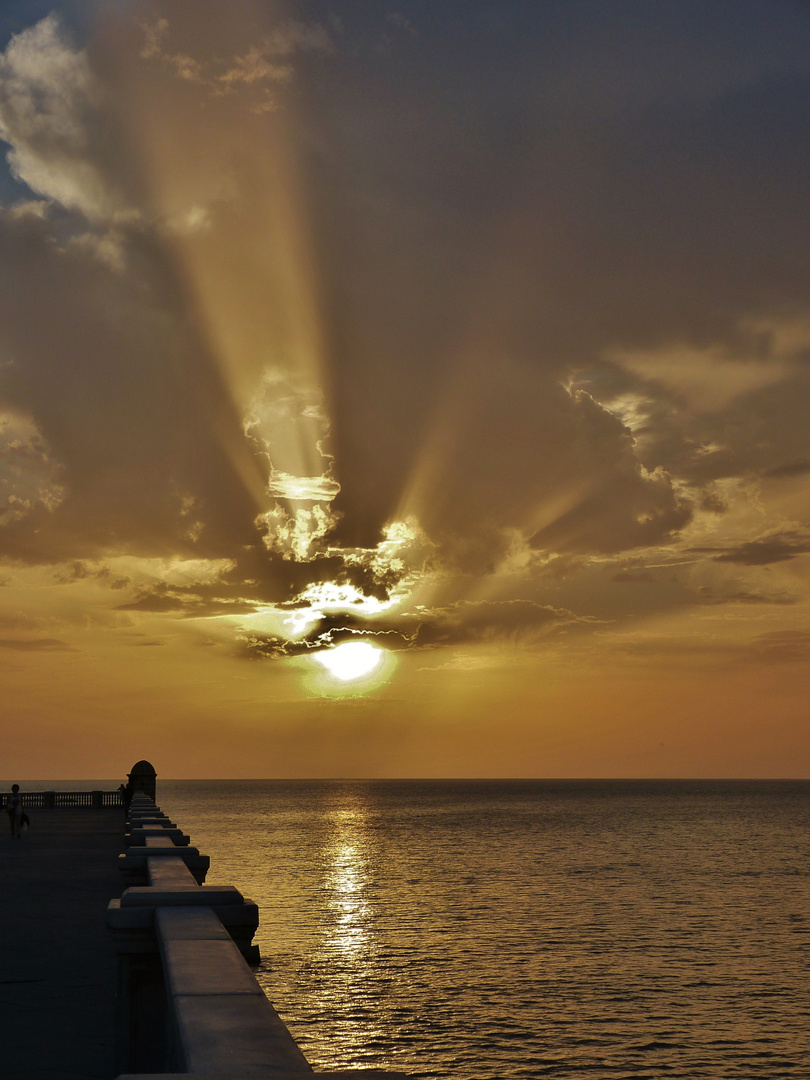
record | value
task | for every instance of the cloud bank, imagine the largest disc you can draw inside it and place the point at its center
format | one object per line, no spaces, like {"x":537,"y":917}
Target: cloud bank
{"x":284,"y":300}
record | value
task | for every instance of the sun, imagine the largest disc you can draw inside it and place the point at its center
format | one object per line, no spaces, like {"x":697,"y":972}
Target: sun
{"x":352,"y":660}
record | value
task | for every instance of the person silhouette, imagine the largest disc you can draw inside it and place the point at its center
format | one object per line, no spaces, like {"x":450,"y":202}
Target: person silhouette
{"x":14,"y":809}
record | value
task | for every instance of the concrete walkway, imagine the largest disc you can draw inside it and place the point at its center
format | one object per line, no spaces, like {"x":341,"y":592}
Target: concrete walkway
{"x":57,"y":965}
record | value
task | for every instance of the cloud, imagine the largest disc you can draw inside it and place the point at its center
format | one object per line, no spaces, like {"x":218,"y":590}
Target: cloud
{"x":781,"y":646}
{"x":256,"y":71}
{"x":295,"y":35}
{"x":633,"y":577}
{"x":50,"y":104}
{"x":254,"y":67}
{"x":747,"y":596}
{"x":507,"y":622}
{"x":100,"y":368}
{"x":772,"y":548}
{"x":408,"y":334}
{"x":789,"y":471}
{"x":158,"y":599}
{"x":36,"y":645}
{"x":29,"y":476}
{"x":707,"y":378}
{"x":302,"y":488}
{"x":502,"y":621}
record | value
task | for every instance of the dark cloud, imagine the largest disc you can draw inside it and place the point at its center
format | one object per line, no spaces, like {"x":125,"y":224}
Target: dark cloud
{"x":541,"y":289}
{"x":502,"y":621}
{"x":158,"y":600}
{"x":777,"y":547}
{"x":510,"y":621}
{"x":266,"y":646}
{"x":36,"y":645}
{"x":782,"y":646}
{"x":788,"y":472}
{"x":745,"y":596}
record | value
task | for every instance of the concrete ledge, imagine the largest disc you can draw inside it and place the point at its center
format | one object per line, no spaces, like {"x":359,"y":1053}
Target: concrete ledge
{"x":133,"y":865}
{"x":189,"y":924}
{"x":205,"y":968}
{"x":137,"y":837}
{"x":142,"y":917}
{"x":164,"y":873}
{"x":231,"y":1033}
{"x":133,"y":928}
{"x":181,"y":895}
{"x":156,"y":848}
{"x":220,"y":1017}
{"x":159,"y":841}
{"x":236,"y":923}
{"x":135,"y":873}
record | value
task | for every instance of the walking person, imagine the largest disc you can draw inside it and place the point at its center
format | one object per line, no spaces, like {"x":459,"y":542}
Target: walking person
{"x":14,"y":809}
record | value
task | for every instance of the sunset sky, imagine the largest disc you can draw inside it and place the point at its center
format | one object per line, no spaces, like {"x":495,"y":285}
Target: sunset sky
{"x":405,"y":389}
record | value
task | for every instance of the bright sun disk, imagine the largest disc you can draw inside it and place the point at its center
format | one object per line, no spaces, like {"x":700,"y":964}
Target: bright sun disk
{"x":351,"y":660}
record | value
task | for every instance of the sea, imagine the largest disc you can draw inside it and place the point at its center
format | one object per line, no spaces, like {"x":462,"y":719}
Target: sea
{"x":487,"y":929}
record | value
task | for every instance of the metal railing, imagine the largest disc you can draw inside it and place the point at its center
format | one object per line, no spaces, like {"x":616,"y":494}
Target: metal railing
{"x":48,"y":800}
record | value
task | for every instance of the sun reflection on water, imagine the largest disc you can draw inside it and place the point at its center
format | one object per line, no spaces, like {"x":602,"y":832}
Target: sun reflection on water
{"x":347,"y":882}
{"x":349,"y":944}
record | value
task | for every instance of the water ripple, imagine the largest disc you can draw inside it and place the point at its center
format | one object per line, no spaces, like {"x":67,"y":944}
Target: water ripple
{"x":483,"y":930}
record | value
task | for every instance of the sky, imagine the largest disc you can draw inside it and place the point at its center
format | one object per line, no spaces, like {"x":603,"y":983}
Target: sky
{"x":398,"y":389}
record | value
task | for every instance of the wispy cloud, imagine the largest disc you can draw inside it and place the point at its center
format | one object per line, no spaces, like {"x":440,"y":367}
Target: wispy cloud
{"x":772,"y":548}
{"x":36,"y":645}
{"x":259,"y":70}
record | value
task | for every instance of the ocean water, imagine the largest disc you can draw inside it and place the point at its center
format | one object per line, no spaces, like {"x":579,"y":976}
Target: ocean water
{"x":482,"y":930}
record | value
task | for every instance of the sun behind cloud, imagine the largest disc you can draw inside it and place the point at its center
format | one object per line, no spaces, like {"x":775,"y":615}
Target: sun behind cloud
{"x":351,"y":660}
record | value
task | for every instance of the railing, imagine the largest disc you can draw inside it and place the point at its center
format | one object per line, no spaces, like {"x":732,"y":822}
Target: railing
{"x":48,"y":800}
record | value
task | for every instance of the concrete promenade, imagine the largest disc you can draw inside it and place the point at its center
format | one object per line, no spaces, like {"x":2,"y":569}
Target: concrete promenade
{"x":57,"y":962}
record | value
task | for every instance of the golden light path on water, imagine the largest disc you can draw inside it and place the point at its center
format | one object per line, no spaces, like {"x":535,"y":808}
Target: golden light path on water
{"x":349,"y":943}
{"x":347,"y":882}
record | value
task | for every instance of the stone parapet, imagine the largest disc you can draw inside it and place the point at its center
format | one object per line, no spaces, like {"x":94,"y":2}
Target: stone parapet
{"x":137,"y":837}
{"x":134,"y":863}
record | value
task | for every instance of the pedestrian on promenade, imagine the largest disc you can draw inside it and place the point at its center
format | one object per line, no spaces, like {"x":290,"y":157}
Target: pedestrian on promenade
{"x":14,"y":809}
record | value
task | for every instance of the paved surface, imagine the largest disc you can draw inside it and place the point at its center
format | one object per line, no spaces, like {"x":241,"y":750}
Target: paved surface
{"x":57,"y":965}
